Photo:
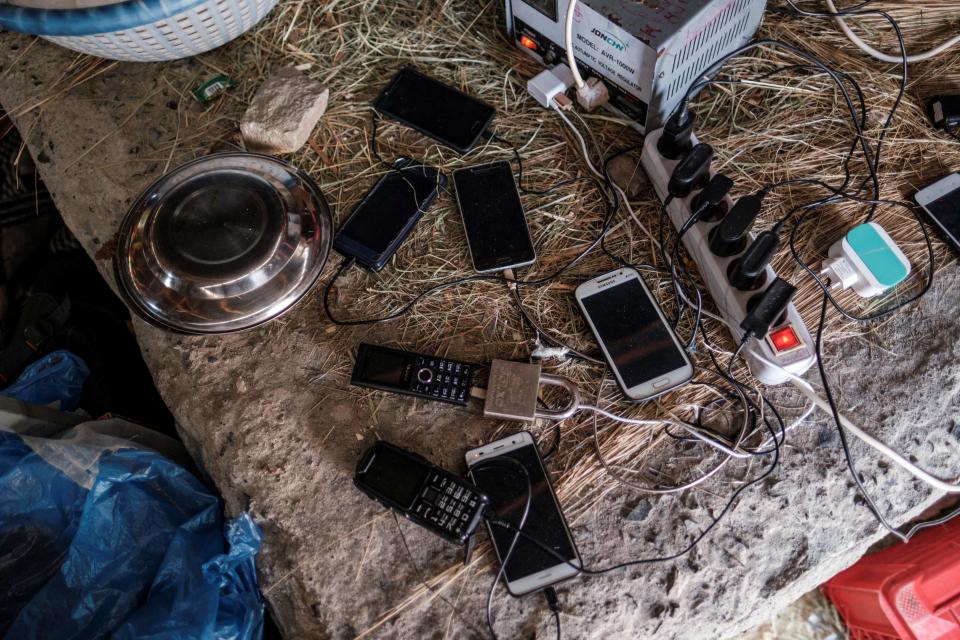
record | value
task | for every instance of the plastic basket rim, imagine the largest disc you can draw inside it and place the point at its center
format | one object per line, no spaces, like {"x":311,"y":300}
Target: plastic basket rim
{"x":91,"y":21}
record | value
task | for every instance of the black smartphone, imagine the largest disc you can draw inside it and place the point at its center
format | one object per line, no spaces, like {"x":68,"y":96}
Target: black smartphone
{"x":434,"y":109}
{"x":493,"y":218}
{"x":941,"y":201}
{"x":422,"y":492}
{"x":380,"y":223}
{"x":413,"y":374}
{"x":509,"y":471}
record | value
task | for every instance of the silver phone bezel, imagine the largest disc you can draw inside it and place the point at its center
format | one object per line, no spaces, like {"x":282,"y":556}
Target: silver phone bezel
{"x":551,"y":575}
{"x":655,"y":386}
{"x":463,"y":221}
{"x":942,"y":187}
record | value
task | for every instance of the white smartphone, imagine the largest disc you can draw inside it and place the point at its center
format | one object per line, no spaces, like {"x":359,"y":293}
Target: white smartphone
{"x":941,"y":201}
{"x":529,"y":567}
{"x":638,"y":343}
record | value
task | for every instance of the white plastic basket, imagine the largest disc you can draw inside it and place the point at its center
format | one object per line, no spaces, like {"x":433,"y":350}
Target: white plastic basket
{"x":203,"y":27}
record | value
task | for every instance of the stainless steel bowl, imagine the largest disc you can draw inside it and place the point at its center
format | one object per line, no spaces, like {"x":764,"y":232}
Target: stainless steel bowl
{"x":223,"y":243}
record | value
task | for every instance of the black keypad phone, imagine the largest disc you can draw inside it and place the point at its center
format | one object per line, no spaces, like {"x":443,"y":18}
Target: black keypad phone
{"x":412,"y":374}
{"x":450,"y":504}
{"x":422,"y":492}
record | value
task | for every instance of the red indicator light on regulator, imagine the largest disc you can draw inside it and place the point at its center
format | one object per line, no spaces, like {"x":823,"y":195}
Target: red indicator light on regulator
{"x":784,"y":339}
{"x":528,"y":42}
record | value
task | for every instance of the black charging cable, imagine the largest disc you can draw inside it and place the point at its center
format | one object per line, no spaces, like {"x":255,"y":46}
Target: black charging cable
{"x":838,"y":77}
{"x":870,"y":159}
{"x":553,"y":603}
{"x":612,"y":207}
{"x":348,"y":262}
{"x":860,"y":10}
{"x":498,"y":522}
{"x":516,"y":464}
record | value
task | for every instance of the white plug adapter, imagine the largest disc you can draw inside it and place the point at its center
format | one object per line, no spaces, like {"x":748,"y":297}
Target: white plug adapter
{"x":548,"y":84}
{"x":867,"y":260}
{"x":593,"y":94}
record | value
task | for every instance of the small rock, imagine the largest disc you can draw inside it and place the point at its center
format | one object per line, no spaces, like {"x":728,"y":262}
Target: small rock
{"x":639,"y":512}
{"x":283,"y":112}
{"x":627,"y":173}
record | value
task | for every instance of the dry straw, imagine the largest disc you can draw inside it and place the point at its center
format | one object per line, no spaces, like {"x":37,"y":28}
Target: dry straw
{"x":792,"y":125}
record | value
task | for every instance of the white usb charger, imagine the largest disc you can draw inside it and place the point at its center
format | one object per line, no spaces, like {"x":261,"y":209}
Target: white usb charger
{"x":867,"y":260}
{"x":548,"y":84}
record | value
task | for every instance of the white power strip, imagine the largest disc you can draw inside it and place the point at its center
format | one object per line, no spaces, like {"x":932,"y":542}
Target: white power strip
{"x":774,"y":362}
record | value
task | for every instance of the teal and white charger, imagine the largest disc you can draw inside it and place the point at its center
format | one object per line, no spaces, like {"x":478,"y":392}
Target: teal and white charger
{"x":866,"y":260}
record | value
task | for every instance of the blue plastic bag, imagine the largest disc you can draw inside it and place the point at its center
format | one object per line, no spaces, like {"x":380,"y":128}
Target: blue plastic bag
{"x":39,"y":511}
{"x":141,"y":555}
{"x":58,"y":376}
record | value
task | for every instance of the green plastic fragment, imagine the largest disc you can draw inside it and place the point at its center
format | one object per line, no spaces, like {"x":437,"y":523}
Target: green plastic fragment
{"x":213,"y":88}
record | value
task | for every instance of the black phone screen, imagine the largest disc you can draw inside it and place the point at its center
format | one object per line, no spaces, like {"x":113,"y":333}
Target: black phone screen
{"x":946,"y":211}
{"x":506,"y":485}
{"x":383,"y":366}
{"x":435,"y":109}
{"x":493,"y":217}
{"x":394,"y":475}
{"x":384,"y":217}
{"x":638,"y":341}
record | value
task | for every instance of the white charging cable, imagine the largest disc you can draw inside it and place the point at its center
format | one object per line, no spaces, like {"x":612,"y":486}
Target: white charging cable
{"x":581,"y":140}
{"x":879,"y":55}
{"x":805,"y":388}
{"x":568,"y":42}
{"x":810,"y":393}
{"x":633,"y":214}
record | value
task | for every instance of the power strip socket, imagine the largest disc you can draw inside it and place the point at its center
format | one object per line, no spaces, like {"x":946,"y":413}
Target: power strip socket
{"x":788,"y":345}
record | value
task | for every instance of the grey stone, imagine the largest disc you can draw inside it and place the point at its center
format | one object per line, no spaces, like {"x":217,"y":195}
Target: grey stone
{"x":283,"y":113}
{"x":627,"y":173}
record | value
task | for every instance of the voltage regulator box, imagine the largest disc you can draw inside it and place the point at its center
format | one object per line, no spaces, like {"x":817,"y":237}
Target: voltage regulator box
{"x":648,"y":52}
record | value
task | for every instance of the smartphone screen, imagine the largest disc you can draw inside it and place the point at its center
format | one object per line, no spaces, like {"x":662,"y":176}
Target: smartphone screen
{"x":493,"y":217}
{"x":433,"y":108}
{"x":628,"y":323}
{"x":387,"y":215}
{"x":945,"y":211}
{"x":506,"y":485}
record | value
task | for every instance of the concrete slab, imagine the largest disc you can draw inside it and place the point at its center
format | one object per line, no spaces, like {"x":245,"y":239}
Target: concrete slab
{"x":269,"y":416}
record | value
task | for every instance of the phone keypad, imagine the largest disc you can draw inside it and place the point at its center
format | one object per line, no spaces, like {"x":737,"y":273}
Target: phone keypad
{"x":448,"y":505}
{"x":444,"y":380}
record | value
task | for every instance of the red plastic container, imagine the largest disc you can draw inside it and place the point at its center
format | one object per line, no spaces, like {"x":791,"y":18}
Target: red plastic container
{"x":909,"y":592}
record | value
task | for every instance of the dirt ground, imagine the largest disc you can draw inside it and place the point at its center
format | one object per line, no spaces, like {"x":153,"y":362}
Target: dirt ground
{"x":269,"y":413}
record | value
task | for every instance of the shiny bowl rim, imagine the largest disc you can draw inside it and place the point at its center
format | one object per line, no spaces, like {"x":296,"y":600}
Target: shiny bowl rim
{"x":144,"y":313}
